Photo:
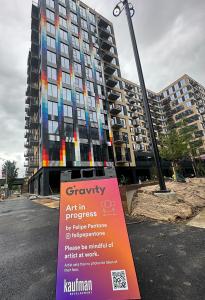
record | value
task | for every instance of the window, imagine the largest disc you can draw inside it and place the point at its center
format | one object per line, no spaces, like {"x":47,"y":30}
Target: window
{"x":62,"y":10}
{"x":97,"y":153}
{"x":94,"y":133}
{"x":65,"y":78}
{"x":52,"y":108}
{"x":77,"y":68}
{"x":93,"y":116}
{"x":84,"y":152}
{"x":90,"y":86}
{"x":99,"y":76}
{"x":68,"y":112}
{"x":53,"y":127}
{"x":99,"y":89}
{"x":185,"y":90}
{"x":86,"y":46}
{"x":63,"y":22}
{"x":84,"y":24}
{"x":74,"y":29}
{"x":66,"y":94}
{"x":54,"y":151}
{"x":52,"y":90}
{"x":93,"y":28}
{"x":78,"y":82}
{"x":83,"y":133}
{"x":75,"y":41}
{"x":102,"y":117}
{"x":80,"y":98}
{"x":51,"y":28}
{"x":50,"y":3}
{"x":92,"y":17}
{"x":68,"y":130}
{"x":50,"y":15}
{"x":51,"y":57}
{"x":180,"y":100}
{"x":76,"y":54}
{"x":83,"y":11}
{"x":87,"y":59}
{"x":91,"y":101}
{"x":188,"y":104}
{"x":73,"y":5}
{"x":186,"y":96}
{"x":73,"y":17}
{"x":51,"y":42}
{"x":85,"y":35}
{"x":89,"y":73}
{"x":65,"y":62}
{"x":52,"y":73}
{"x":62,"y":1}
{"x":64,"y":49}
{"x":63,"y":35}
{"x":70,"y":152}
{"x":94,"y":39}
{"x":182,"y":82}
{"x":81,"y":113}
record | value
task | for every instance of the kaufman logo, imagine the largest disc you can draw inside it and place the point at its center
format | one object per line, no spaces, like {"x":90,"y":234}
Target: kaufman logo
{"x":94,"y":190}
{"x":78,"y":286}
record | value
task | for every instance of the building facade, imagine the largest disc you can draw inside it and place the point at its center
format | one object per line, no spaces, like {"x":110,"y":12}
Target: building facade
{"x":80,"y":112}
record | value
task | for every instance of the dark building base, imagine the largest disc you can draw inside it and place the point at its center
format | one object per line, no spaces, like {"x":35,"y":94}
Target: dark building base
{"x":47,"y":180}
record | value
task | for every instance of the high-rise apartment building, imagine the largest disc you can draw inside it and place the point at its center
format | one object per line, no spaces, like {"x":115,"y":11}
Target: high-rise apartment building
{"x":184,"y":100}
{"x":80,"y":112}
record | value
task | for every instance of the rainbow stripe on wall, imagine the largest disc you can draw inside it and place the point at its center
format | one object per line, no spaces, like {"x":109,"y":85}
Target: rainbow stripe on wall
{"x":44,"y":97}
{"x":44,"y":91}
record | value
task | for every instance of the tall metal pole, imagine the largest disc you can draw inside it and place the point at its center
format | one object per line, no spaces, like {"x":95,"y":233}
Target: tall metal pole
{"x":145,"y":100}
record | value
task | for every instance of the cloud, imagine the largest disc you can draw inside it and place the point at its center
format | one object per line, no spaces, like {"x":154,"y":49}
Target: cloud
{"x":171,"y":41}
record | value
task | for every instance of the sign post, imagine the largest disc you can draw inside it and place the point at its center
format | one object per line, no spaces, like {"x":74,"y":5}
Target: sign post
{"x":94,"y":255}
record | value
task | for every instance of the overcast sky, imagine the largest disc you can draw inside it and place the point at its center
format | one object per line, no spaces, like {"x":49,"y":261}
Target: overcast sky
{"x":171,"y":42}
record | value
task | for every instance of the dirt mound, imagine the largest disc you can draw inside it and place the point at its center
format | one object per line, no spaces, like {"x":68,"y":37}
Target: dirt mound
{"x":185,"y":200}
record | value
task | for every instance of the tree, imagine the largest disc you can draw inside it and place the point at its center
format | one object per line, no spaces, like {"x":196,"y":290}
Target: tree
{"x":173,"y":148}
{"x":189,"y":135}
{"x":179,"y":143}
{"x":10,"y":170}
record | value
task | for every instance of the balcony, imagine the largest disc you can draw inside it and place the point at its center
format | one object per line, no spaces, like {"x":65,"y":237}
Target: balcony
{"x":130,"y":94}
{"x":107,"y":56}
{"x":139,"y":139}
{"x":131,"y":101}
{"x":136,"y":123}
{"x":113,"y":95}
{"x":34,"y":141}
{"x":109,"y":69}
{"x":111,"y":82}
{"x":34,"y":124}
{"x":119,"y":139}
{"x":34,"y":105}
{"x":26,"y":145}
{"x":106,"y":44}
{"x":128,"y":87}
{"x":133,"y":108}
{"x":33,"y":163}
{"x":135,"y":115}
{"x":104,"y":32}
{"x":115,"y":109}
{"x":116,"y":123}
{"x":103,"y":23}
{"x":34,"y":61}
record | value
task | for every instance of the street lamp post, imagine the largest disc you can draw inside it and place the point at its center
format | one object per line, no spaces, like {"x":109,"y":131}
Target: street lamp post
{"x":130,"y":13}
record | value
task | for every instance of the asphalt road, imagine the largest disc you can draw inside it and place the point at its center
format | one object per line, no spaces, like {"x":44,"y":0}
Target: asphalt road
{"x":170,"y":259}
